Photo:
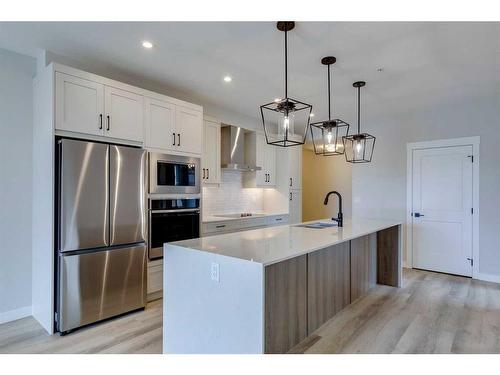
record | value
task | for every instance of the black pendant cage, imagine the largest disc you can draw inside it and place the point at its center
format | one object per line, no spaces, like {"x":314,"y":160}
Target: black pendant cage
{"x":327,"y":137}
{"x":358,"y":148}
{"x":286,"y":122}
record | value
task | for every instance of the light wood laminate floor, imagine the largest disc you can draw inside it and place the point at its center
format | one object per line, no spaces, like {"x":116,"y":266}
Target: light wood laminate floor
{"x":432,"y":313}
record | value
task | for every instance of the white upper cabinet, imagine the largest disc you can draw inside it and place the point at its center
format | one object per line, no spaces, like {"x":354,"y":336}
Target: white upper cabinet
{"x":87,"y":104}
{"x":211,"y":169}
{"x":295,"y":206}
{"x":265,"y":157}
{"x":124,"y":114}
{"x":171,"y":127}
{"x":79,"y":105}
{"x":295,"y":165}
{"x":160,"y":124}
{"x":189,"y":130}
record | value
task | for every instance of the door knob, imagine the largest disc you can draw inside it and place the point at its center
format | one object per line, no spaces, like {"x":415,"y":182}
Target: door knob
{"x":417,"y":214}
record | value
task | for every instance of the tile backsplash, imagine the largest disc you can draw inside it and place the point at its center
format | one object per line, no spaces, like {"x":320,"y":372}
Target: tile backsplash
{"x":231,"y":196}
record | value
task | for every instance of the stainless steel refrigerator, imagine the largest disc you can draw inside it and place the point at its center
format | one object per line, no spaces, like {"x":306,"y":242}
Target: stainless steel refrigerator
{"x":101,"y":231}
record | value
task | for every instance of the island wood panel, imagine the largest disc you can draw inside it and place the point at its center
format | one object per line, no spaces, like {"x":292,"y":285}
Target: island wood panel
{"x":363,"y":265}
{"x":285,"y":304}
{"x":328,"y":284}
{"x":388,"y":257}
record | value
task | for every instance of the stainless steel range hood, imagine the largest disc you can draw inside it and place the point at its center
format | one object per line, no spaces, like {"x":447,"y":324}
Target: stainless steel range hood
{"x":233,"y":150}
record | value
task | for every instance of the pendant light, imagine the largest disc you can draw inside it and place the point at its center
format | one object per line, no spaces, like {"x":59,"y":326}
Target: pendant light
{"x":327,"y":136}
{"x":286,"y":120}
{"x":359,"y":147}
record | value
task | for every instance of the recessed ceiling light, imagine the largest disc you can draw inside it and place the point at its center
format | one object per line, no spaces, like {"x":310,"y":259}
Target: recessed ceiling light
{"x":311,"y":115}
{"x":227,"y":79}
{"x":277,"y":100}
{"x":147,"y":44}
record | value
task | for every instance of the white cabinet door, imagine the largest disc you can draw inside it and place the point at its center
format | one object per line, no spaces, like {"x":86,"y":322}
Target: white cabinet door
{"x":295,"y":206}
{"x":270,"y":164}
{"x":124,"y":114}
{"x":160,"y":124}
{"x":79,"y":105}
{"x":260,"y":159}
{"x":188,"y":124}
{"x":295,"y":180}
{"x":211,"y":153}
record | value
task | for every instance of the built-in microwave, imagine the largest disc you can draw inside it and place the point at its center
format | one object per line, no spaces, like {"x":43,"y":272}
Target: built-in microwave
{"x":173,"y":174}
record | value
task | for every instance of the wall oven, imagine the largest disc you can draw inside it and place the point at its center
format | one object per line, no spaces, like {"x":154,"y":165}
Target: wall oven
{"x":173,"y":174}
{"x":172,"y":220}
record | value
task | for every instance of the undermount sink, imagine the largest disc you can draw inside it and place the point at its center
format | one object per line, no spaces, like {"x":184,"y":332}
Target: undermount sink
{"x":318,"y":225}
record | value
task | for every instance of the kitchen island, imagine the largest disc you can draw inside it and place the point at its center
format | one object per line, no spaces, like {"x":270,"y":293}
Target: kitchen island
{"x":265,"y":290}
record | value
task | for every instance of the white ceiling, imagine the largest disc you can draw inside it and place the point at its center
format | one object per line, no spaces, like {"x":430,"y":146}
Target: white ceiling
{"x":423,"y":63}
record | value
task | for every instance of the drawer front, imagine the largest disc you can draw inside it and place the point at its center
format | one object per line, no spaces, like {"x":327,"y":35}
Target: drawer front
{"x":220,"y":226}
{"x":155,"y":278}
{"x":277,"y":220}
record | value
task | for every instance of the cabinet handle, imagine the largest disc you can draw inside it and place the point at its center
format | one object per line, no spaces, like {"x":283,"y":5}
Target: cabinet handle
{"x":208,"y":173}
{"x":290,"y":197}
{"x":290,"y":181}
{"x":109,"y":122}
{"x":173,"y":143}
{"x":221,"y":226}
{"x":265,"y":178}
{"x":179,"y":139}
{"x":100,"y":121}
{"x":203,"y":173}
{"x":269,"y":177}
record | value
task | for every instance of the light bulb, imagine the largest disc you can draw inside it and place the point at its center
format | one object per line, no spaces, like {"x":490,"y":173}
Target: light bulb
{"x":329,"y":137}
{"x":286,"y":123}
{"x":358,"y":146}
{"x":285,"y":126}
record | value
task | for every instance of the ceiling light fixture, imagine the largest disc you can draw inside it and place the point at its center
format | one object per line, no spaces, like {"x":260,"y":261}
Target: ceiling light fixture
{"x":327,"y":135}
{"x":286,"y":121}
{"x":147,"y":44}
{"x":227,"y":79}
{"x":359,"y":147}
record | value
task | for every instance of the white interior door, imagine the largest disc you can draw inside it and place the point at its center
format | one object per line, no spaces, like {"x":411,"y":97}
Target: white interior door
{"x":442,"y":209}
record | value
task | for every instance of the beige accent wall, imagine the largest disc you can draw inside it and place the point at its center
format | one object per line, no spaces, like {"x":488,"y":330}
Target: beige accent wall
{"x":321,"y":174}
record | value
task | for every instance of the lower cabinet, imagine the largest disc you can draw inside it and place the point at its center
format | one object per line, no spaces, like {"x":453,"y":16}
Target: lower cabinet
{"x":304,"y":292}
{"x":363,"y":265}
{"x":155,"y":279}
{"x":328,"y":284}
{"x":285,"y":304}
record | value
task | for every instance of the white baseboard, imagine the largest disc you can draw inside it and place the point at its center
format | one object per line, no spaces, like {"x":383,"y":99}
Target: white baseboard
{"x":487,"y":277}
{"x":9,"y":316}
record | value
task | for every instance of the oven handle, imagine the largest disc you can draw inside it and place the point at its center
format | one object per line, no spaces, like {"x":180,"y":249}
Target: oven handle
{"x":173,"y":211}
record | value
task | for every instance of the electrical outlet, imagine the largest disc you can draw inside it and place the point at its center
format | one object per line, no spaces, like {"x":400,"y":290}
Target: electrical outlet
{"x":214,"y":272}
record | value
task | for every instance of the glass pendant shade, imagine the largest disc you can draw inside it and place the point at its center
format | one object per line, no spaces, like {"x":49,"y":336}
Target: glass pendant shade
{"x":359,"y":147}
{"x":327,"y":136}
{"x":286,"y":127}
{"x":286,"y":120}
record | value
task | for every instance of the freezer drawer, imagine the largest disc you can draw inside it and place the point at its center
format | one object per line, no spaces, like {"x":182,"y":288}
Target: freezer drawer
{"x":98,"y":285}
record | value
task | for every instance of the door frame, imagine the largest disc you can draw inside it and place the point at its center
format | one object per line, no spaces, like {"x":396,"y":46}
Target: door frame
{"x":464,"y":141}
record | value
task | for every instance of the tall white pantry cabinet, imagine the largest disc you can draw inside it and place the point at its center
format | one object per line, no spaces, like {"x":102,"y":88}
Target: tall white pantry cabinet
{"x":73,"y":103}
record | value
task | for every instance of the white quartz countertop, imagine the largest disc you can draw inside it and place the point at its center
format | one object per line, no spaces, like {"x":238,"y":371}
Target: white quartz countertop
{"x":255,"y":215}
{"x":274,"y":244}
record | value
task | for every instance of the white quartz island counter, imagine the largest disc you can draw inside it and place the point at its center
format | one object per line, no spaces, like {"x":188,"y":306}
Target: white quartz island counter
{"x":275,"y":244}
{"x":265,"y":290}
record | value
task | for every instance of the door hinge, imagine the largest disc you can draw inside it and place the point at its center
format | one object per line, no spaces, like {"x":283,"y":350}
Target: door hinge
{"x":472,"y":210}
{"x":471,"y":261}
{"x":471,"y":158}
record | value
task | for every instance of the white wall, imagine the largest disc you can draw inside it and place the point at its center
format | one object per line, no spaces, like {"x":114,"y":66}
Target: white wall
{"x":379,"y":188}
{"x":16,"y":168}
